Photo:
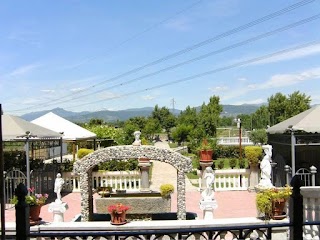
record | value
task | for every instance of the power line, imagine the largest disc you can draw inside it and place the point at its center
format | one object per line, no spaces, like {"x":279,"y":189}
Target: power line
{"x":239,"y":64}
{"x":175,"y":54}
{"x":134,"y":36}
{"x":250,"y":40}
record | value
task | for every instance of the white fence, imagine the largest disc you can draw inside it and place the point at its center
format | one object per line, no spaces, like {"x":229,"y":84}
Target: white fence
{"x":120,"y":180}
{"x":225,"y":180}
{"x":245,"y":141}
{"x":231,"y":179}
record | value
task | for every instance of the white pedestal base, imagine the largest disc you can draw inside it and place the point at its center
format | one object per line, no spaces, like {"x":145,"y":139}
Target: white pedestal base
{"x":58,"y":209}
{"x":208,"y":207}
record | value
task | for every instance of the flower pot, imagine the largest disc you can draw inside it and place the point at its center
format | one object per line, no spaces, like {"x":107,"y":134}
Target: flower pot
{"x":144,"y":159}
{"x":118,"y":218}
{"x":35,"y":212}
{"x":206,"y":155}
{"x":278,"y":209}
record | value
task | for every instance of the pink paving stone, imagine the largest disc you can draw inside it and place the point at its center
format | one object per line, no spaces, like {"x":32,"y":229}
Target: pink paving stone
{"x":231,"y":204}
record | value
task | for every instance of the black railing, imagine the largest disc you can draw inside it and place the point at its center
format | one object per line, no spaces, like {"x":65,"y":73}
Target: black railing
{"x":244,"y":232}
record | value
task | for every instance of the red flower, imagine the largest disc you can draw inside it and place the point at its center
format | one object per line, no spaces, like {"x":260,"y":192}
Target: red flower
{"x":119,"y":207}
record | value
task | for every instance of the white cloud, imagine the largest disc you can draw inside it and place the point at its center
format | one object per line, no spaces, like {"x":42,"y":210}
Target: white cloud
{"x":180,"y":24}
{"x":254,"y":101}
{"x":47,"y":90}
{"x":76,"y":89}
{"x":23,"y":70}
{"x":300,"y":53}
{"x":218,"y":89}
{"x":283,"y":80}
{"x":148,"y":97}
{"x":242,"y":79}
{"x":277,"y":81}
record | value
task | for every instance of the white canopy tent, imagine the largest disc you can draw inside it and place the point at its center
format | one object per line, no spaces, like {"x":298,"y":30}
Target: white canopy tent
{"x":71,"y":131}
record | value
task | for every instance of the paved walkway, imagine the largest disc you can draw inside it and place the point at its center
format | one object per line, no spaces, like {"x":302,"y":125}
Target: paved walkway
{"x":231,"y":204}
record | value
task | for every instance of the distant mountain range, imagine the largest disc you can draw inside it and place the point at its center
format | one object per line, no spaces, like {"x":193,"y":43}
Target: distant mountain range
{"x":123,"y":115}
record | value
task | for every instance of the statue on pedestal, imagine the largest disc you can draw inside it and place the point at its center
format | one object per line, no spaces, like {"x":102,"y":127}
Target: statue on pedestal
{"x":265,"y":167}
{"x":58,"y":207}
{"x":208,"y":203}
{"x":58,"y":184}
{"x":208,"y":193}
{"x":137,"y":141}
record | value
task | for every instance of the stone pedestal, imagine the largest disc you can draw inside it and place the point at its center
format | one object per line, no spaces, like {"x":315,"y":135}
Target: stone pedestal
{"x":58,"y":208}
{"x":254,"y":177}
{"x":208,"y":207}
{"x":204,"y":165}
{"x":144,"y":166}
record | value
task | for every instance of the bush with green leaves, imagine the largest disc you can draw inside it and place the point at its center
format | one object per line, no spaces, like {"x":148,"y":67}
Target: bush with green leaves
{"x":82,"y":152}
{"x":227,"y":151}
{"x":253,"y":154}
{"x":166,"y":190}
{"x":232,"y":162}
{"x":119,"y":165}
{"x":219,"y":164}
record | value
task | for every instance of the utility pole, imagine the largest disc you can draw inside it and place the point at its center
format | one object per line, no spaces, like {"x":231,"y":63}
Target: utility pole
{"x":172,"y":103}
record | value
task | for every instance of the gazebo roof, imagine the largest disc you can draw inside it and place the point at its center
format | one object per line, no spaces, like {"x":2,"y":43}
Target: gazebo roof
{"x":14,"y":127}
{"x":307,"y":121}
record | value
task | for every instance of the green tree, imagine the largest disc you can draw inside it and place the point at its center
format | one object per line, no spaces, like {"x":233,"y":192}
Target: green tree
{"x":296,"y":103}
{"x":165,"y":117}
{"x":209,"y":116}
{"x":188,"y":117}
{"x":277,"y":108}
{"x":151,"y":128}
{"x":181,"y":133}
{"x":281,"y":107}
{"x":139,"y":122}
{"x":260,"y":119}
{"x":259,"y":136}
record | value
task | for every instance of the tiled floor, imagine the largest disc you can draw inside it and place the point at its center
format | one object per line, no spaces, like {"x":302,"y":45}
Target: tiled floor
{"x":231,"y":204}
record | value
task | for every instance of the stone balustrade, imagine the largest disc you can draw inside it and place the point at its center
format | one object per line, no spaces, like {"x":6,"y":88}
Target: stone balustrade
{"x":118,"y":180}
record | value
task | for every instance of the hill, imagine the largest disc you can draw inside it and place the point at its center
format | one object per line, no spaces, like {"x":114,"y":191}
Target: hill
{"x":123,"y":115}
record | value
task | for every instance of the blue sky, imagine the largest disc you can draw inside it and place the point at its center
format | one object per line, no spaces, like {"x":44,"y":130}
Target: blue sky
{"x":112,"y":55}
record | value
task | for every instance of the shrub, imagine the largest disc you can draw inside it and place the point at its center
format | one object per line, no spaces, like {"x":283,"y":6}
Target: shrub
{"x":227,"y":152}
{"x":253,"y":154}
{"x":242,"y":163}
{"x":232,"y":162}
{"x":83,"y":152}
{"x":119,"y":165}
{"x":220,"y":164}
{"x":166,"y":189}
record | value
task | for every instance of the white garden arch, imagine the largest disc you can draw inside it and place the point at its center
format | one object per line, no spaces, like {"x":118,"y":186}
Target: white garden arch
{"x":84,"y":166}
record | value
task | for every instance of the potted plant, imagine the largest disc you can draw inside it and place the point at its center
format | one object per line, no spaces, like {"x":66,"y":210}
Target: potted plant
{"x":118,"y":213}
{"x":105,"y":191}
{"x":271,"y":201}
{"x":205,"y":151}
{"x":35,"y":201}
{"x":166,"y":190}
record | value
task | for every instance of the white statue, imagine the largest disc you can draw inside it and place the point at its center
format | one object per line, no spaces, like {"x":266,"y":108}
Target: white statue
{"x":58,"y":184}
{"x":265,"y":167}
{"x":137,"y":141}
{"x":208,"y":194}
